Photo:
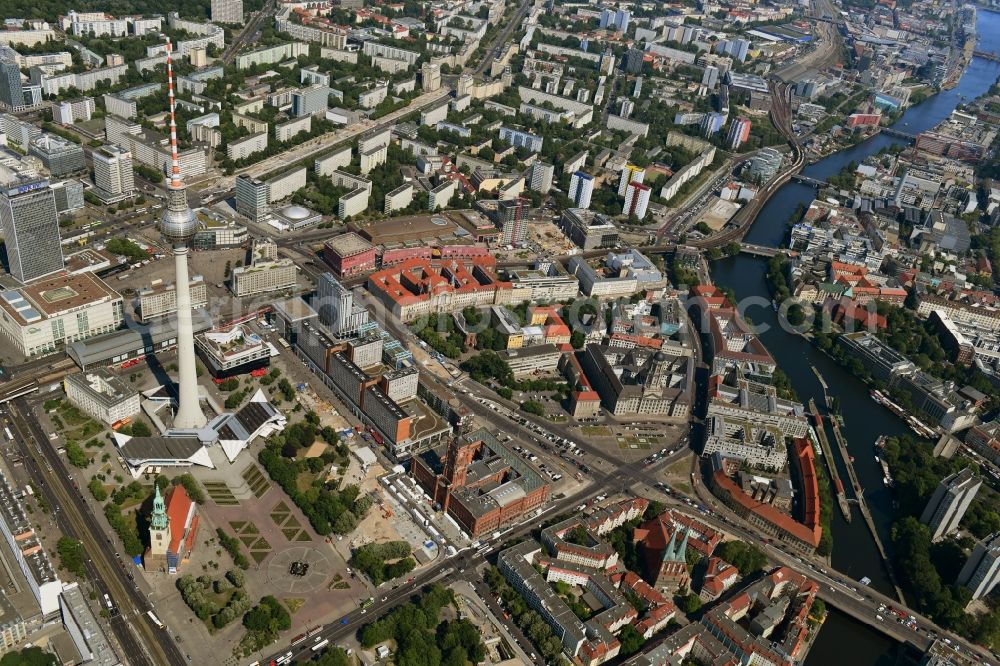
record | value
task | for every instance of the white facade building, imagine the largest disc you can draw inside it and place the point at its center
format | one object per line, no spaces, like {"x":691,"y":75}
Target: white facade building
{"x":102,"y":394}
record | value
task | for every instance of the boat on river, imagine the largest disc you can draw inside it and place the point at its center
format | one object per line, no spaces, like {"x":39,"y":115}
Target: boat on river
{"x":915,"y":424}
{"x":886,"y":476}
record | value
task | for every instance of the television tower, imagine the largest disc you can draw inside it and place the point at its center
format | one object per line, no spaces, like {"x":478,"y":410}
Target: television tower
{"x":178,"y":225}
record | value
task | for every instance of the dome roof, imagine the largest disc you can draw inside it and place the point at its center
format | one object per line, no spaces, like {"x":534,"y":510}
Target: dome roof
{"x":295,"y":212}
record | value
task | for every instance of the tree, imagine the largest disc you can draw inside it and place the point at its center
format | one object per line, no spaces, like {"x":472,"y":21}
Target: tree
{"x":796,"y":315}
{"x":689,"y":603}
{"x":654,"y":509}
{"x":126,"y":248}
{"x":140,"y":429}
{"x":334,"y":657}
{"x":533,"y":407}
{"x":31,"y":656}
{"x":236,"y":577}
{"x":578,"y":339}
{"x":747,"y":558}
{"x":191,"y":486}
{"x":489,"y":366}
{"x":419,"y":637}
{"x":97,"y":489}
{"x":71,"y":555}
{"x":631,"y":640}
{"x":76,"y":455}
{"x":269,"y":617}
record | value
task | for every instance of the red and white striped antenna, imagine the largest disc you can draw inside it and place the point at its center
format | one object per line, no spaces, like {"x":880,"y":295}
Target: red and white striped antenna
{"x":175,"y":173}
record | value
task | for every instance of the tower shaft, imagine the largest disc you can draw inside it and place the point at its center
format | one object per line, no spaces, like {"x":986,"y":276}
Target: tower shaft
{"x":189,"y":414}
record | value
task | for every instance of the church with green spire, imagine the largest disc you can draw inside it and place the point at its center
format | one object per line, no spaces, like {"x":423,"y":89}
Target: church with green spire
{"x":672,"y":572}
{"x":155,"y":558}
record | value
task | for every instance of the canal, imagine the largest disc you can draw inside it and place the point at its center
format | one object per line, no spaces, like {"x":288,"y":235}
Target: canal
{"x":854,"y":551}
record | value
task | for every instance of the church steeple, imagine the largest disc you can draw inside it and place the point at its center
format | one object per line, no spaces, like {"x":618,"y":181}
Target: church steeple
{"x":158,"y":521}
{"x":668,"y":552}
{"x":682,"y":551}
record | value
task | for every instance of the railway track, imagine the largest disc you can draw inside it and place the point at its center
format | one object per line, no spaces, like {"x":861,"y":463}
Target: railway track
{"x":142,"y":643}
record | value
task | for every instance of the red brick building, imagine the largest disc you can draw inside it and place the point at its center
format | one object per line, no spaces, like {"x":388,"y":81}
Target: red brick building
{"x":665,"y":540}
{"x":416,"y":287}
{"x":349,"y":254}
{"x":479,"y":482}
{"x":864,"y":120}
{"x":765,"y":517}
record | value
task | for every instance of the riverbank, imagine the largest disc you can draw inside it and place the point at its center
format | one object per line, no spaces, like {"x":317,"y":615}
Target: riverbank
{"x":854,"y":553}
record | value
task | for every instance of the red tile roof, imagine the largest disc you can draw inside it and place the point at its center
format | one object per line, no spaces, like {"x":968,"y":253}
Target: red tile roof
{"x":768,"y":513}
{"x":179,"y":509}
{"x":655,"y":534}
{"x":805,"y":461}
{"x":417,"y":279}
{"x":639,"y":340}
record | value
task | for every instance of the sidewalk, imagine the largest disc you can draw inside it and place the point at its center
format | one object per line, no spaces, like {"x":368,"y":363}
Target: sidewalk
{"x":469,"y":594}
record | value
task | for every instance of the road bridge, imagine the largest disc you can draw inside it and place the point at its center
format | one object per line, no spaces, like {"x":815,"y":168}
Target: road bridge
{"x":759,"y":250}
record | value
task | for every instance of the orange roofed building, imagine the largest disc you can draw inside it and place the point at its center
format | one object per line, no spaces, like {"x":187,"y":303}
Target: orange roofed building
{"x":709,"y":296}
{"x":183,"y":515}
{"x":803,"y":538}
{"x":556,"y":330}
{"x":419,"y":287}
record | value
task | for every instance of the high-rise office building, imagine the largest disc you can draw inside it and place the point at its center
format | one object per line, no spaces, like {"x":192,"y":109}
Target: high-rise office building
{"x":60,"y":156}
{"x":581,"y":187}
{"x":511,"y":219}
{"x":634,"y":59}
{"x":636,"y":199}
{"x":113,"y":174}
{"x":252,"y":197}
{"x":310,"y":101}
{"x":227,"y":11}
{"x":68,"y":194}
{"x":15,"y":95}
{"x":982,"y":570}
{"x":31,"y":229}
{"x":622,"y":17}
{"x":11,"y":88}
{"x":430,"y":77}
{"x":737,"y":48}
{"x":540,"y":176}
{"x":630,"y":173}
{"x":739,"y":132}
{"x":616,"y":19}
{"x":711,"y":123}
{"x":948,"y":504}
{"x":711,"y":77}
{"x":337,"y":309}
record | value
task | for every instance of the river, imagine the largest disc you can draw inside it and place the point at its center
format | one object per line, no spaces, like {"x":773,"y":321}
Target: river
{"x":854,"y":551}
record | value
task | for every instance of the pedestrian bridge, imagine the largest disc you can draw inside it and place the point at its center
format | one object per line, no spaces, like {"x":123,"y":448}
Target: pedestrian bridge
{"x":806,"y":180}
{"x":899,"y":134}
